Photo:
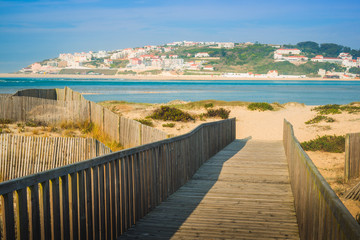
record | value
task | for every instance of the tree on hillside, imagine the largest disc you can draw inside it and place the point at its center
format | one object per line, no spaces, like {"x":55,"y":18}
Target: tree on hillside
{"x":309,"y":47}
{"x":331,"y":49}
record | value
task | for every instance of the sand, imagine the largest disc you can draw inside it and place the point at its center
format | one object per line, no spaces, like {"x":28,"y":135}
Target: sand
{"x":268,"y":125}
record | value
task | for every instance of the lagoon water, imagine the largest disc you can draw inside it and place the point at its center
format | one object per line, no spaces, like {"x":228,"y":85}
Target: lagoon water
{"x":150,"y":91}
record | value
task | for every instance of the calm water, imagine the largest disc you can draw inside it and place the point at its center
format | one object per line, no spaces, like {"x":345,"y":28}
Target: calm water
{"x":308,"y":92}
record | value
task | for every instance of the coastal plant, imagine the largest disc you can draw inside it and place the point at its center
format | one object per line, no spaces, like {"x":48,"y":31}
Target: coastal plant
{"x":169,"y":125}
{"x":328,"y":109}
{"x":261,"y":106}
{"x":166,"y":113}
{"x":5,"y":121}
{"x":146,"y":122}
{"x":34,"y":123}
{"x":221,"y":112}
{"x":327,"y":143}
{"x":337,"y":109}
{"x":208,"y":105}
{"x":320,"y":118}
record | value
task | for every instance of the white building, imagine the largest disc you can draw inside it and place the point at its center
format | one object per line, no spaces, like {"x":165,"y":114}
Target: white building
{"x":226,"y":45}
{"x":295,"y":58}
{"x":321,"y":58}
{"x":288,"y":51}
{"x":202,"y":54}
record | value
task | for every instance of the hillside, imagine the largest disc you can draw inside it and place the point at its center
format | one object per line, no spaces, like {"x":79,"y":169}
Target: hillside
{"x":210,"y":58}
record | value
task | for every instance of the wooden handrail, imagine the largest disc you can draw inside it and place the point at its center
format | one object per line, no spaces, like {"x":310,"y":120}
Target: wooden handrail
{"x":106,"y":195}
{"x":320,"y":213}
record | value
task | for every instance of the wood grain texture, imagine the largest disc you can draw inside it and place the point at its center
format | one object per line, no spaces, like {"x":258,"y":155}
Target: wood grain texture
{"x":320,"y":213}
{"x":243,"y":192}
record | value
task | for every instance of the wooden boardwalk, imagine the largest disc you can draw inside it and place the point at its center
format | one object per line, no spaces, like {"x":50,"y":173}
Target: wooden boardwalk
{"x":243,"y":192}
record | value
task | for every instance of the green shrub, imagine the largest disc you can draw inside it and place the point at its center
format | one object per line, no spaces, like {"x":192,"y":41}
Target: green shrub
{"x":5,"y":121}
{"x":221,"y":112}
{"x":350,"y":108}
{"x":208,"y":105}
{"x":169,"y":125}
{"x":328,"y":109}
{"x":146,"y":122}
{"x":320,"y":118}
{"x":86,"y":126}
{"x":327,"y":143}
{"x":171,"y":114}
{"x":261,"y":106}
{"x":34,"y":123}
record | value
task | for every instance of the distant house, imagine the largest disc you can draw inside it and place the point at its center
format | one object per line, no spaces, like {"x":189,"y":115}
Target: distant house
{"x":345,"y":56}
{"x":194,"y":67}
{"x":226,"y":44}
{"x":202,"y":54}
{"x":208,"y":68}
{"x":135,"y":61}
{"x":272,"y":73}
{"x":108,"y":61}
{"x":321,"y":58}
{"x":288,"y":51}
{"x":295,"y":58}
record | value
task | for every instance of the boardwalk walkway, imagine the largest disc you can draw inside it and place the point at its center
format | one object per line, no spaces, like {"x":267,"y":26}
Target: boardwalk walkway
{"x":243,"y":192}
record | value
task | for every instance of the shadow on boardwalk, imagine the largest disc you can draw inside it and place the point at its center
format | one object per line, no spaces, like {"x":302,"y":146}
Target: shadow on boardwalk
{"x":167,"y":218}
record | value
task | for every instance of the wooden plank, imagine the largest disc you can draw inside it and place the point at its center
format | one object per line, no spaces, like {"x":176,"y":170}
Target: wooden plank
{"x":102,"y":202}
{"x":65,"y":225}
{"x":35,"y":212}
{"x":56,"y":223}
{"x":74,"y":228}
{"x":82,"y":205}
{"x":89,"y":203}
{"x":47,"y":226}
{"x":95,"y":205}
{"x":9,"y":216}
{"x":222,"y":208}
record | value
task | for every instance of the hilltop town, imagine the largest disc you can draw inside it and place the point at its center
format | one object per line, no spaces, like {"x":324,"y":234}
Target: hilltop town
{"x":224,"y":59}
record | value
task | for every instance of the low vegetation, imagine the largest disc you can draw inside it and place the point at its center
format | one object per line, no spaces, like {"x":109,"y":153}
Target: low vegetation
{"x":221,"y":112}
{"x":261,"y":106}
{"x":6,"y":121}
{"x":166,"y":113}
{"x":327,"y":143}
{"x":169,"y":125}
{"x":208,"y":105}
{"x":63,"y":129}
{"x":320,"y":118}
{"x":337,"y":109}
{"x":146,"y":122}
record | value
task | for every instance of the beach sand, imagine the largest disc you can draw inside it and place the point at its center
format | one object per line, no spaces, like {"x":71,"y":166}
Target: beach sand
{"x":268,"y":125}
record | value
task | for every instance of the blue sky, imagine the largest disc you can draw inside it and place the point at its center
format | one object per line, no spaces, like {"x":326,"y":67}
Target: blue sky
{"x":33,"y":30}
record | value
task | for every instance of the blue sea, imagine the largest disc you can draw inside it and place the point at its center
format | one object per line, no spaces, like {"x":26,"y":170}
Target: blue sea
{"x":150,"y":91}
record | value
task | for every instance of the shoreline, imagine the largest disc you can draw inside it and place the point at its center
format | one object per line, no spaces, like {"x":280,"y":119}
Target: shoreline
{"x":162,"y":77}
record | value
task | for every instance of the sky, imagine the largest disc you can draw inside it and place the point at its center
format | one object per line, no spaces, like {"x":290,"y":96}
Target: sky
{"x":32,"y":31}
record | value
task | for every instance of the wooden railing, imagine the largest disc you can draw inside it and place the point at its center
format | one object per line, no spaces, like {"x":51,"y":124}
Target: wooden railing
{"x":320,"y":213}
{"x":104,"y":196}
{"x":352,"y":156}
{"x":25,"y":155}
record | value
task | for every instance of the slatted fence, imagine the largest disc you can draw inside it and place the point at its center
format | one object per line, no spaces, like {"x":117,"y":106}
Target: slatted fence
{"x":320,"y":213}
{"x":102,"y":197}
{"x":57,"y":105}
{"x":352,"y":156}
{"x":21,"y":155}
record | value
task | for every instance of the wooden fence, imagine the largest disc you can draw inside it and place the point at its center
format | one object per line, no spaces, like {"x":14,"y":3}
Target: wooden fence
{"x":320,"y":213}
{"x":104,"y":196}
{"x":352,"y":156}
{"x":57,"y":105}
{"x":21,"y":155}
